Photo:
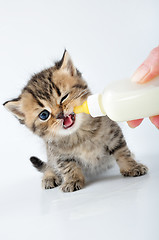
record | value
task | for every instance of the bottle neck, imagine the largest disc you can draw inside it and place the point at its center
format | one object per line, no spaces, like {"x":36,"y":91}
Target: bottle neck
{"x":94,"y":105}
{"x":101,"y":104}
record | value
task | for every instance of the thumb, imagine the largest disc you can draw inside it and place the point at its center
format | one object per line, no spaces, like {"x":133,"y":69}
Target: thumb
{"x":148,"y":69}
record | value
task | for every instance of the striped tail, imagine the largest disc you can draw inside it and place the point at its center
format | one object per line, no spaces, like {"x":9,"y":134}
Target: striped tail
{"x":38,"y":164}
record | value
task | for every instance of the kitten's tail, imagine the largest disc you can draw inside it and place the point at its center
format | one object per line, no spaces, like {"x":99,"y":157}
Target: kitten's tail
{"x":38,"y":164}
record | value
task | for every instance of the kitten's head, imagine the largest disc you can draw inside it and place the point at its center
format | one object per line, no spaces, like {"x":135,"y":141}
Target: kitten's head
{"x":46,"y":104}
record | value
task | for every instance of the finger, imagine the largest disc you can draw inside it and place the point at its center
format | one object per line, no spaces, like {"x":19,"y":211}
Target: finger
{"x":134,"y":123}
{"x":149,"y":69}
{"x":155,"y":120}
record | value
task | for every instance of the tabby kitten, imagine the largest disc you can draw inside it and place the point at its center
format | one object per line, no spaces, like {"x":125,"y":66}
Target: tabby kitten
{"x":77,"y":145}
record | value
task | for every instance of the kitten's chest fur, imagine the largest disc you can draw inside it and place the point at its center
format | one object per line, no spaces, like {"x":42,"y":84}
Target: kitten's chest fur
{"x":87,"y":146}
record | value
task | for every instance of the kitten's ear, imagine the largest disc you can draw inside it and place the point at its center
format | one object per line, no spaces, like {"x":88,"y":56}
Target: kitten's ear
{"x":14,"y":106}
{"x":66,"y":64}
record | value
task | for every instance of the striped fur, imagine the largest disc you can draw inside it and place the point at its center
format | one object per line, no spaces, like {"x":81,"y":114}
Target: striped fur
{"x":88,"y":147}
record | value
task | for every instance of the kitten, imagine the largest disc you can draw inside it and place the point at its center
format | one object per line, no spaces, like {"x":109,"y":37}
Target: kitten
{"x":77,"y":145}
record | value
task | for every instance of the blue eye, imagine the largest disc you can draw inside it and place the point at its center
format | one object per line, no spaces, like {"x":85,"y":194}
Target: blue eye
{"x":44,"y":115}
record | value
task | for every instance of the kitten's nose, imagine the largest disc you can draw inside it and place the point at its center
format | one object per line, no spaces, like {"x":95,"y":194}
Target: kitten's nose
{"x":60,"y":115}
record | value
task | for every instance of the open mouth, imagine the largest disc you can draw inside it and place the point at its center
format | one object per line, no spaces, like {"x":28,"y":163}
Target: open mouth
{"x":68,"y":121}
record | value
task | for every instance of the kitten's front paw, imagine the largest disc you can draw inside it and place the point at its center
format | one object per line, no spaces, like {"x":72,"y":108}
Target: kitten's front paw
{"x":50,"y":182}
{"x":72,"y":186}
{"x":137,"y":170}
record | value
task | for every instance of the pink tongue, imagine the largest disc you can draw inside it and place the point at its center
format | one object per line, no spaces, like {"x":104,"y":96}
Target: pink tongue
{"x":67,"y":121}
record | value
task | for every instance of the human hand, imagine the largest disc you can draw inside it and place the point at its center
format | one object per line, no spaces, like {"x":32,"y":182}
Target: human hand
{"x":148,"y":70}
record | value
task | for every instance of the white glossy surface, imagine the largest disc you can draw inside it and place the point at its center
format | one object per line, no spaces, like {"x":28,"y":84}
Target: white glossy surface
{"x":110,"y":207}
{"x":107,"y":40}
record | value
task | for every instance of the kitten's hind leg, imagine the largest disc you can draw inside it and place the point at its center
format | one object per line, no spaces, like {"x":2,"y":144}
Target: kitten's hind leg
{"x":128,"y":166}
{"x":125,"y":160}
{"x":50,"y":179}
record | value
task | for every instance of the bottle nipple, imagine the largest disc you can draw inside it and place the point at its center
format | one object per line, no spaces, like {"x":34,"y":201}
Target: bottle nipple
{"x":82,"y":108}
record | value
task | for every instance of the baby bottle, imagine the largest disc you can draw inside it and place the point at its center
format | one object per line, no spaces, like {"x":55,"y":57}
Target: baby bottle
{"x":124,"y":100}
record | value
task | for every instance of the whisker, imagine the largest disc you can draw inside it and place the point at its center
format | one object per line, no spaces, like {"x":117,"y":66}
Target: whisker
{"x":52,"y":133}
{"x":78,"y":94}
{"x":81,"y":94}
{"x":54,"y":124}
{"x":85,"y":91}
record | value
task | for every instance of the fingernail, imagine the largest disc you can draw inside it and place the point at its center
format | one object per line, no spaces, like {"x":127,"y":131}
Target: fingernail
{"x":130,"y":124}
{"x":134,"y":123}
{"x":140,"y":74}
{"x":155,"y":121}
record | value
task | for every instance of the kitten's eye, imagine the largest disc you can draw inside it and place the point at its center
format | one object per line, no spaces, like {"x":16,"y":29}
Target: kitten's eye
{"x":64,"y":98}
{"x":44,"y":115}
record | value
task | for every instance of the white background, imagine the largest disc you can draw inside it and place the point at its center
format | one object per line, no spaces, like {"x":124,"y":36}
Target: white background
{"x":107,"y":41}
